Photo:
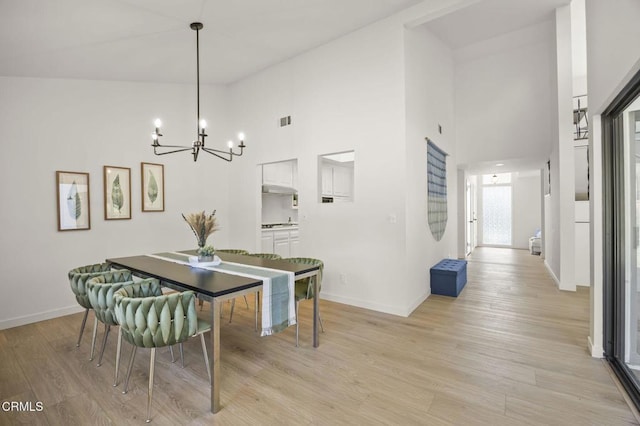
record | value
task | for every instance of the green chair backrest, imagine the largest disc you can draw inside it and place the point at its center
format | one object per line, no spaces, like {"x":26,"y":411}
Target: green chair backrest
{"x":233,"y":251}
{"x":304,"y":289}
{"x":78,"y":278}
{"x":150,"y":321}
{"x":101,"y":289}
{"x":271,"y":256}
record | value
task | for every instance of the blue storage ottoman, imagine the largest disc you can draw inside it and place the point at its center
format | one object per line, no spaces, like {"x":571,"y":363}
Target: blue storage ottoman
{"x":448,"y":277}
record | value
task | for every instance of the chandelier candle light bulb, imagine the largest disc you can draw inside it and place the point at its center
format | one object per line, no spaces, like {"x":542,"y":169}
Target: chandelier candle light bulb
{"x":198,"y":145}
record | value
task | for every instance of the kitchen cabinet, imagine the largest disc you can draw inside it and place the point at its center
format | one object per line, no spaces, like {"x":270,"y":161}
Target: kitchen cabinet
{"x":342,"y":181}
{"x":284,"y":242}
{"x":327,"y":180}
{"x":281,"y":243}
{"x":337,"y":181}
{"x":267,"y":242}
{"x":281,"y":174}
{"x":294,"y":244}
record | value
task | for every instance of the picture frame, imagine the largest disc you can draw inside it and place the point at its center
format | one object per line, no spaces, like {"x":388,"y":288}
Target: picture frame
{"x":152,"y":192}
{"x":72,"y":195}
{"x":117,"y":193}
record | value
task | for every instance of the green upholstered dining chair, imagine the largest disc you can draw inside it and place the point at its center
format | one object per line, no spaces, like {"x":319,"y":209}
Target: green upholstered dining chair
{"x":101,"y":290}
{"x":157,"y":321}
{"x":304,"y":286}
{"x":78,"y":278}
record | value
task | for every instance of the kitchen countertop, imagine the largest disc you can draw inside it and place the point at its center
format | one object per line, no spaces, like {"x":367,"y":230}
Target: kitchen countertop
{"x":272,"y":226}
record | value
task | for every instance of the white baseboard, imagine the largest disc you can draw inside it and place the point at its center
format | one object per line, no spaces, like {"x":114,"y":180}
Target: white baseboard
{"x":417,"y":303}
{"x":555,"y":279}
{"x":387,"y":309}
{"x":595,"y":351}
{"x":40,"y":316}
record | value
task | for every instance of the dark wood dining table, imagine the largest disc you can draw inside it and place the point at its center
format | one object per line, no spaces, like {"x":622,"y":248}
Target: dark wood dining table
{"x":216,"y":287}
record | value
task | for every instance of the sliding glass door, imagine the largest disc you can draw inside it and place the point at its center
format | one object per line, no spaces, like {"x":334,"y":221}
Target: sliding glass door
{"x":631,"y":167}
{"x":621,"y":214}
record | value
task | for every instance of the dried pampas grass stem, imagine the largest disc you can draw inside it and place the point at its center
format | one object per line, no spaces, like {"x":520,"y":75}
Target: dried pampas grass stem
{"x":202,"y":225}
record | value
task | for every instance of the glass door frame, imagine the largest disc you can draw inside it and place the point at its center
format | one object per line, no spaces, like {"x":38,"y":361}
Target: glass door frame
{"x":614,"y":237}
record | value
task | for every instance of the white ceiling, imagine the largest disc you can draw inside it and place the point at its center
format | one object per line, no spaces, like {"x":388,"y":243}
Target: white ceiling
{"x":490,"y":18}
{"x":150,"y":40}
{"x":506,"y":166}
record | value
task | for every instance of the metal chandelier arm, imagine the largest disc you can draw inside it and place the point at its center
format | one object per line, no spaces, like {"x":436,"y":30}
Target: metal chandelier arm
{"x":225,"y":155}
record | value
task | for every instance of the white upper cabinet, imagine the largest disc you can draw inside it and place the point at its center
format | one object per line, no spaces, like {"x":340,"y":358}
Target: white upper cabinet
{"x":343,"y":181}
{"x":336,"y":176}
{"x":281,"y":173}
{"x":327,"y":180}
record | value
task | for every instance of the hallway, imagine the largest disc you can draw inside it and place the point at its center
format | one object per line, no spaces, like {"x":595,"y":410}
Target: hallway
{"x":519,"y":338}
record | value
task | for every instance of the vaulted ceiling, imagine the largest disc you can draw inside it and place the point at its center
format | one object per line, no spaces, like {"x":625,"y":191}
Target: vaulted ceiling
{"x":150,"y":40}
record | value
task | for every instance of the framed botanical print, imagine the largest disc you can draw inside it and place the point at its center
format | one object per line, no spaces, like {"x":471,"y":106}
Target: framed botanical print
{"x":117,"y":193}
{"x":72,"y":189}
{"x":152,"y":187}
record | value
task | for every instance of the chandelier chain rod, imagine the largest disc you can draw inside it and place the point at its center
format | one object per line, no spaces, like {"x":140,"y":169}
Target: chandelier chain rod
{"x":198,"y":79}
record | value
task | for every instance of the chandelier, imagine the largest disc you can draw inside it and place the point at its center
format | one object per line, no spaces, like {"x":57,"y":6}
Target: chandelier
{"x":197,"y":145}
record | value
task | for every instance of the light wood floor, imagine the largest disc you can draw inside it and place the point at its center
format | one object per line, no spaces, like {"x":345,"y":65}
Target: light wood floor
{"x":510,"y":350}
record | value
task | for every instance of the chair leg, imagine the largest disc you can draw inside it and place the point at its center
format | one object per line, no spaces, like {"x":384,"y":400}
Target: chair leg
{"x":233,"y":305}
{"x":297,"y":323}
{"x":206,"y":356}
{"x":201,"y":303}
{"x":173,"y":359}
{"x":84,"y":322}
{"x":152,"y":364}
{"x":93,"y":339}
{"x":245,"y":301}
{"x":131,"y":359}
{"x":181,"y":354}
{"x":118,"y":352}
{"x":321,"y":324}
{"x":107,"y":329}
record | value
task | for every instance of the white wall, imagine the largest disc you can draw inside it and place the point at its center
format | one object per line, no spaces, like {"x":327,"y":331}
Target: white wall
{"x":526,"y":207}
{"x":579,"y":47}
{"x":49,"y":125}
{"x":612,"y":58}
{"x":278,"y":208}
{"x":612,"y":49}
{"x":346,"y":95}
{"x":566,"y":172}
{"x":502,"y":97}
{"x":582,"y":253}
{"x":429,"y":102}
